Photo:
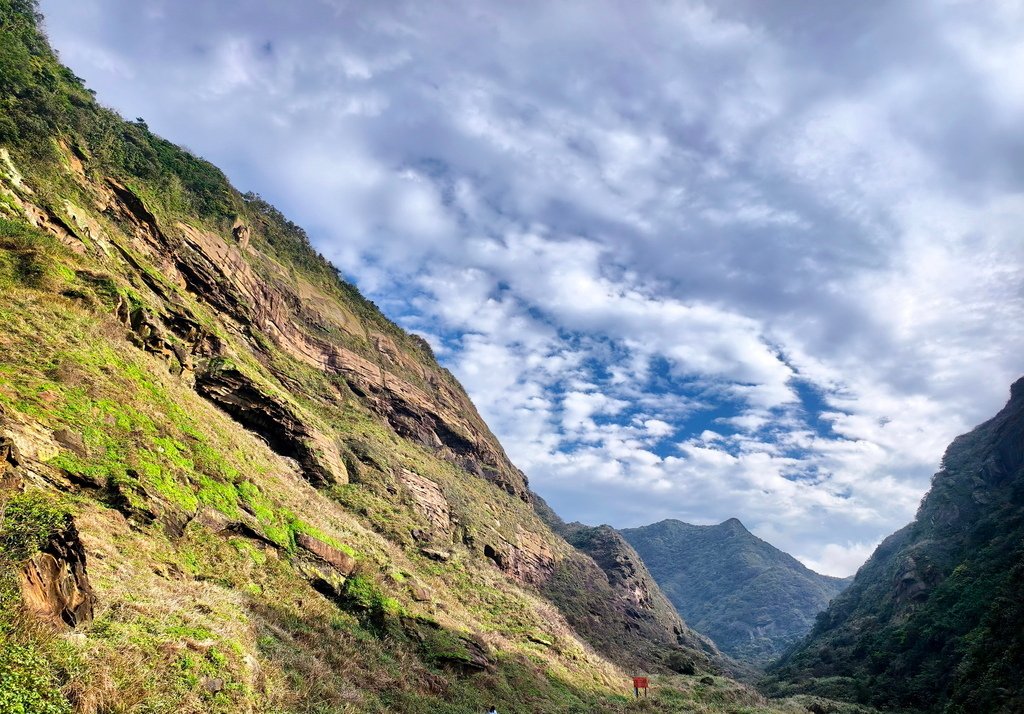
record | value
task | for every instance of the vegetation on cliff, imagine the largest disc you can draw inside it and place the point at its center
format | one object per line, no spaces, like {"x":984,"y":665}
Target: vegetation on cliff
{"x":933,"y":621}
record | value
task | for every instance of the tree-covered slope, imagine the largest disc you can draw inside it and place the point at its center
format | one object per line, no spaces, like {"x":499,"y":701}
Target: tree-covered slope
{"x":934,"y":620}
{"x":749,"y":597}
{"x":229,"y":484}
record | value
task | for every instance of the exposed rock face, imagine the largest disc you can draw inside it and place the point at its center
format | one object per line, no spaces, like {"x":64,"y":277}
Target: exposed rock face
{"x":530,"y":559}
{"x":933,"y":620}
{"x":752,"y":599}
{"x":625,"y":598}
{"x":71,"y":441}
{"x":437,"y":414}
{"x":55,"y":584}
{"x":429,"y":501}
{"x":273,"y":419}
{"x":344,"y":563}
{"x":10,"y":455}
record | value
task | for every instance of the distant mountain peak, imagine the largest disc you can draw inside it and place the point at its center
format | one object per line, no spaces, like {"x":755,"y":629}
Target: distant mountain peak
{"x":748,"y":596}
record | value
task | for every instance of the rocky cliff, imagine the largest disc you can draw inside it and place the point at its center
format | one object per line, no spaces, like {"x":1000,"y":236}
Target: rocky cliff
{"x":933,"y":621}
{"x":749,"y":597}
{"x":230,"y":484}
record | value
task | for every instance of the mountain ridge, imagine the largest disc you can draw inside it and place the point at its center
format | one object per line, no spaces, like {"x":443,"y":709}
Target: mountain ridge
{"x":229,"y":483}
{"x":752,"y":599}
{"x":932,"y":621}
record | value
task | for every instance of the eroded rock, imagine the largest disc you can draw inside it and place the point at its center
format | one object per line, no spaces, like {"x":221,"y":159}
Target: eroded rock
{"x":55,"y":584}
{"x":10,"y":455}
{"x":273,"y":419}
{"x":72,"y":441}
{"x":429,"y":501}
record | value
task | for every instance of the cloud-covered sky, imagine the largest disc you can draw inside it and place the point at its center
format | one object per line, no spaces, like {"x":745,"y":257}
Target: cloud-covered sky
{"x":692,"y":260}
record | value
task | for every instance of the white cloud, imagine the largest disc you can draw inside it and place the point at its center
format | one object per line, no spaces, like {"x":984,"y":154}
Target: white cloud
{"x":839,"y":559}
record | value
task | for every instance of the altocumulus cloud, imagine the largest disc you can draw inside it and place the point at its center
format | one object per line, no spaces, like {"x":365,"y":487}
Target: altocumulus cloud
{"x":692,"y":260}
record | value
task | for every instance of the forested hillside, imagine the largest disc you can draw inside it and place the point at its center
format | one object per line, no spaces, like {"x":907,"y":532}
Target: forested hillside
{"x":934,"y":621}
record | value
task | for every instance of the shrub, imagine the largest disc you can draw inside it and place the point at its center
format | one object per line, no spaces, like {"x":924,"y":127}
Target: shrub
{"x":27,"y":523}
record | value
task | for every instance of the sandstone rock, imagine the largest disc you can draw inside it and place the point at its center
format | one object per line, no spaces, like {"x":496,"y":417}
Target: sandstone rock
{"x":337,"y":559}
{"x":437,"y":554}
{"x":285,"y":431}
{"x":325,"y":580}
{"x":10,"y":455}
{"x":71,"y":441}
{"x":241,"y":233}
{"x":428,"y":500}
{"x":529,"y":560}
{"x":55,"y":584}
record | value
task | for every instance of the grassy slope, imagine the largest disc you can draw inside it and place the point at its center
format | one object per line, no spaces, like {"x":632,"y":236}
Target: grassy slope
{"x":192,"y":616}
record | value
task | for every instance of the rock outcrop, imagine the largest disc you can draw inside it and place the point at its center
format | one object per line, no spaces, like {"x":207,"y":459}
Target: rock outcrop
{"x":54,"y":582}
{"x":285,"y":430}
{"x":280,"y":486}
{"x":607,"y":589}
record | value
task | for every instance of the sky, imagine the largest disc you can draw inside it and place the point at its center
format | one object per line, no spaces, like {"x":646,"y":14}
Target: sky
{"x":691,"y":260}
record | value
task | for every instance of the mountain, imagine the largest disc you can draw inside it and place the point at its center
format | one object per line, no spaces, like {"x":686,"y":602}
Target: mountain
{"x":749,"y":597}
{"x":934,"y":620}
{"x":631,"y":583}
{"x":229,"y":483}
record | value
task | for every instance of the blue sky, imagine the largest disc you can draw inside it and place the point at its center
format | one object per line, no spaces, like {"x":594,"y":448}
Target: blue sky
{"x":691,"y":260}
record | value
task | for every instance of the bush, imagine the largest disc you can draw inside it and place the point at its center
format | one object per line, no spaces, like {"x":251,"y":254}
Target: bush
{"x":26,"y":685}
{"x":27,"y":522}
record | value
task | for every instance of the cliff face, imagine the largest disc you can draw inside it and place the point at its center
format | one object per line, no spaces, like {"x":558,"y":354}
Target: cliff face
{"x":749,"y":597}
{"x":229,"y":483}
{"x":933,"y":621}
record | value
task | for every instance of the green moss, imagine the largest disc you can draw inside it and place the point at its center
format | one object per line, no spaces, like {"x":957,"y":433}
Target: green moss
{"x":28,"y":521}
{"x":364,"y":594}
{"x":27,"y":685}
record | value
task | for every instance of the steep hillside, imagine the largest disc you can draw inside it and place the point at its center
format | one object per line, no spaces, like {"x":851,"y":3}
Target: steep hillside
{"x":749,"y":597}
{"x":228,"y":483}
{"x":625,"y":580}
{"x":934,"y":621}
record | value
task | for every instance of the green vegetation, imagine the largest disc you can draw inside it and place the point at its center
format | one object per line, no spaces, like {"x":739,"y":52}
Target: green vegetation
{"x":27,"y":523}
{"x":29,"y":669}
{"x":206,"y":601}
{"x":933,"y":621}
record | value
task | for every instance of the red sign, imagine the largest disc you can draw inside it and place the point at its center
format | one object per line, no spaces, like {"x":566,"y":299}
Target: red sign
{"x":640,"y":682}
